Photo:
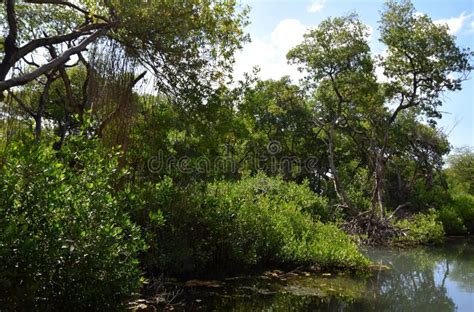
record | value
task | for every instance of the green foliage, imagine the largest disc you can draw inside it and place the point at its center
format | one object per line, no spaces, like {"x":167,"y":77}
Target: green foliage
{"x":337,"y":47}
{"x":420,"y":57}
{"x":422,"y":228}
{"x":255,"y":221}
{"x":276,"y":113}
{"x":460,"y":172}
{"x":180,"y":143}
{"x":457,"y":215}
{"x":35,"y":20}
{"x":188,"y":44}
{"x":65,"y":240}
{"x":351,"y":106}
{"x":452,"y":222}
{"x":358,"y":189}
{"x":414,"y":173}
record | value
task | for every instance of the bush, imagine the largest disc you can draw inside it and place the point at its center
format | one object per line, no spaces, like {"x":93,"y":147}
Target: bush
{"x":255,"y":221}
{"x":452,"y":222}
{"x":460,"y":172}
{"x":458,"y":215}
{"x":422,"y":228}
{"x":65,"y":241}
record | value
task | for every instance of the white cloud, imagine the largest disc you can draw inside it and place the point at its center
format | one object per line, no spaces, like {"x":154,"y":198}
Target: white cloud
{"x":379,"y":69}
{"x":419,"y":14}
{"x":455,"y":23}
{"x":380,"y":75}
{"x":269,"y":52}
{"x":316,"y":6}
{"x":287,"y":34}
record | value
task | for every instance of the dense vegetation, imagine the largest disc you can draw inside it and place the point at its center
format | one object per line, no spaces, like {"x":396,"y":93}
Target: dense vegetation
{"x":457,"y":214}
{"x":65,"y":236}
{"x":127,"y":151}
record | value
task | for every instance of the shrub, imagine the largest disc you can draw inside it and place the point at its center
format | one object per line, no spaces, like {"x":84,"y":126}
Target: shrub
{"x":257,"y":220}
{"x":422,"y":228}
{"x":176,"y":225}
{"x":460,"y":172}
{"x":458,"y":215}
{"x":65,"y":241}
{"x":452,"y":222}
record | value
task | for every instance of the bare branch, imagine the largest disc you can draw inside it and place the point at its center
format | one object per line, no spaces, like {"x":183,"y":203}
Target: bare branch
{"x":31,"y":63}
{"x":18,"y":81}
{"x":41,"y":42}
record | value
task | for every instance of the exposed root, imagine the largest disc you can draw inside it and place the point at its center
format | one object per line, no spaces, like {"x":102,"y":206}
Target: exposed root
{"x":372,"y":230}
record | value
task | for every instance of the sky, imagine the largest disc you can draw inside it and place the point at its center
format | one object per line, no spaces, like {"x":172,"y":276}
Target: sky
{"x":278,"y":25}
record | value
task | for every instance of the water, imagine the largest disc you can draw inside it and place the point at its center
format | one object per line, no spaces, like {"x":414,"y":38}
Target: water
{"x":421,"y":279}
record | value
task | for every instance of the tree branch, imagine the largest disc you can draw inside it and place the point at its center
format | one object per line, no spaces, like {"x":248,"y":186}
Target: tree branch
{"x":22,"y":104}
{"x":398,"y":208}
{"x":67,"y":84}
{"x":85,"y":85}
{"x":70,"y":5}
{"x":18,"y":81}
{"x":41,"y":42}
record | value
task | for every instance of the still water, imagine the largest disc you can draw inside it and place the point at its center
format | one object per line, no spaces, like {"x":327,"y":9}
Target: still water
{"x":422,"y":279}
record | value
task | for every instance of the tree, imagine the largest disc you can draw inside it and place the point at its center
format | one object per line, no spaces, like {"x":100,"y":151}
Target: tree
{"x":336,"y":57}
{"x":185,"y":46}
{"x":421,"y":60}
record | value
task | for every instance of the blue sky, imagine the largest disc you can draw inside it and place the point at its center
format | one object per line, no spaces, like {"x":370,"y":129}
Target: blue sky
{"x":278,"y":25}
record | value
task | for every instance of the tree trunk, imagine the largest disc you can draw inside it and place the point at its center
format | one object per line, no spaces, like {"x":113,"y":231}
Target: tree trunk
{"x":338,"y":185}
{"x":38,"y":125}
{"x":377,"y":199}
{"x":379,"y":173}
{"x":10,"y":48}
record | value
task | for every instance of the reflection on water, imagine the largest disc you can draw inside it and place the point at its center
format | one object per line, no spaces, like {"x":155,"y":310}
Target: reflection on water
{"x":421,"y":279}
